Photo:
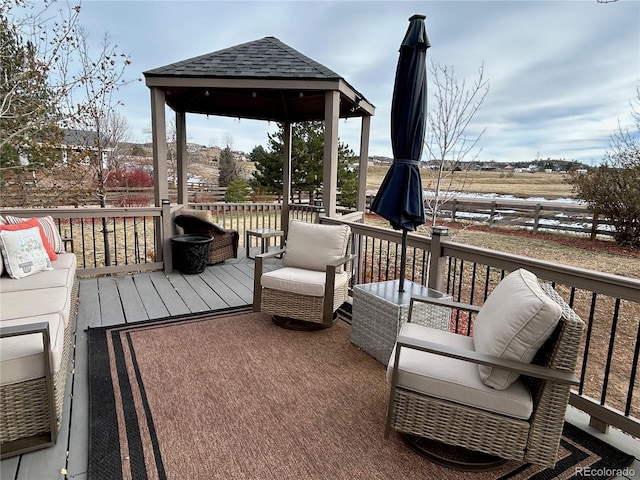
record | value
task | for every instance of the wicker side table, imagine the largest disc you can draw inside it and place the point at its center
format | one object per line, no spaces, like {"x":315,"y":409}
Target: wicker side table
{"x":379,"y":310}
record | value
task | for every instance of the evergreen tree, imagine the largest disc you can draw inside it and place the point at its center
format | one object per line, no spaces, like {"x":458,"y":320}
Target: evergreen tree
{"x":237,"y":191}
{"x":28,"y":112}
{"x":227,"y":166}
{"x":268,"y":174}
{"x":307,"y":153}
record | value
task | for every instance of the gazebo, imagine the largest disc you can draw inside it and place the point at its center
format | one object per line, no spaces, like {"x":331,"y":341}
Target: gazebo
{"x":262,"y":80}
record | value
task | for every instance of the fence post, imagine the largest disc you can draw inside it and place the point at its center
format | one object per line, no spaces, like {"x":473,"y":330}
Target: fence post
{"x":536,"y":218}
{"x":492,"y":214}
{"x":594,"y":224}
{"x":437,"y":264}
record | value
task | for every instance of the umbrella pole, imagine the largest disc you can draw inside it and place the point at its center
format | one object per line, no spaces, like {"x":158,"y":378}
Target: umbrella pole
{"x":403,"y":260}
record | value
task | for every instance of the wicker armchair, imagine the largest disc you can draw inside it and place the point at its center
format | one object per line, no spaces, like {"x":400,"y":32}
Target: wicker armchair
{"x":225,"y":242}
{"x":439,"y":388}
{"x":314,"y":280}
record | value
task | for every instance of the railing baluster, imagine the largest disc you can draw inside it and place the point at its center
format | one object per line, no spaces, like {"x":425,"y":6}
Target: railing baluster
{"x":612,"y":338}
{"x":95,"y":249}
{"x":634,"y":370}
{"x":585,"y":357}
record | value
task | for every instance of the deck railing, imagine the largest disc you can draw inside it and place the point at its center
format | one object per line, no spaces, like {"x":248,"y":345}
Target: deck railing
{"x":120,"y":240}
{"x":106,"y":240}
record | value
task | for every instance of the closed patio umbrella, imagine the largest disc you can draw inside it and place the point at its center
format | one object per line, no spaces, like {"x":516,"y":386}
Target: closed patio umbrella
{"x":400,"y":199}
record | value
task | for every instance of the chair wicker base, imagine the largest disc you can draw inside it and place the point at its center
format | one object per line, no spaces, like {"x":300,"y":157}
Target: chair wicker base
{"x":302,"y":307}
{"x":450,"y":456}
{"x":302,"y":325}
{"x":447,"y":422}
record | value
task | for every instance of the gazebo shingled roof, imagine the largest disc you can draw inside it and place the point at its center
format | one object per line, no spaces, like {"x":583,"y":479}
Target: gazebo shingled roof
{"x":263,"y":80}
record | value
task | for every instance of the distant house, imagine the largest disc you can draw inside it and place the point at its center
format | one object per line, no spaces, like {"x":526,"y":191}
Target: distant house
{"x":84,"y":141}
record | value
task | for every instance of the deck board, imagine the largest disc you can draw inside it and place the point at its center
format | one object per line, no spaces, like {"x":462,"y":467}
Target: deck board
{"x":227,"y":294}
{"x":110,"y":305}
{"x":132,"y":305}
{"x":190,"y":297}
{"x":241,"y":289}
{"x":153,"y":304}
{"x":206,"y":293}
{"x":172,"y":301}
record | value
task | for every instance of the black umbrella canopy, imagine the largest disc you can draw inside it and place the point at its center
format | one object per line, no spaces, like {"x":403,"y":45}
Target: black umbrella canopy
{"x":400,"y":199}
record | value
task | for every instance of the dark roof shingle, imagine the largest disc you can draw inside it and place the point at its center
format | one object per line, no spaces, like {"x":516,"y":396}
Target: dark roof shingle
{"x":264,"y":58}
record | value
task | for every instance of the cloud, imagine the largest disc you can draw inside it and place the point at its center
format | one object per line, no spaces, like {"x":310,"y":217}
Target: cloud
{"x":561,"y":73}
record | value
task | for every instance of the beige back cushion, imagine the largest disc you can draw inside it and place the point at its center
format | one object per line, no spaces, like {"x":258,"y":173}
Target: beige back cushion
{"x":201,"y":214}
{"x":312,"y":245}
{"x":514,"y":322}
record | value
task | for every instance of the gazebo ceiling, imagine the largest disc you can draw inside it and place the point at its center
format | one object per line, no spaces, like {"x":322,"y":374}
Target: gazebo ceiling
{"x":263,"y":80}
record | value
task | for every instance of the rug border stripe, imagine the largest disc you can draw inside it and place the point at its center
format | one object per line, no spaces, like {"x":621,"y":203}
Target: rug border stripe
{"x":101,"y":399}
{"x":147,"y":411}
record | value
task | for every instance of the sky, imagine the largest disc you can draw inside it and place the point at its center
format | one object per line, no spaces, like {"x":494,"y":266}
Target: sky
{"x":562,"y":74}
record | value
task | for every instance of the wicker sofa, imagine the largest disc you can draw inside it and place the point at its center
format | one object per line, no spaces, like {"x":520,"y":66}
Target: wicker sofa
{"x":36,"y":316}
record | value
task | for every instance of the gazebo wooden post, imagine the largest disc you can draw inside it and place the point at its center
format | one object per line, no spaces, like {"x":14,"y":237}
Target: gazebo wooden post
{"x":163,"y":225}
{"x":181,"y":158}
{"x":286,"y":176}
{"x":365,"y":129}
{"x":330,"y":167}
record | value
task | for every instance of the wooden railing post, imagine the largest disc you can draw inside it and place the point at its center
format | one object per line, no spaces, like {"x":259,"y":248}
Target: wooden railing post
{"x":437,"y":264}
{"x":166,"y":232}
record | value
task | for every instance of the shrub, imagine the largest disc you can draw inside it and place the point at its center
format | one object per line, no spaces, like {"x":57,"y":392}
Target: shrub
{"x":237,"y":191}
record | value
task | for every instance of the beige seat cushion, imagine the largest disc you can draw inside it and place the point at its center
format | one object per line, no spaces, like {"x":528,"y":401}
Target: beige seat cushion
{"x":455,"y":380}
{"x":300,"y":281}
{"x":31,"y":303}
{"x":312,"y":246}
{"x":21,"y":357}
{"x":62,"y":275}
{"x":514,"y":322}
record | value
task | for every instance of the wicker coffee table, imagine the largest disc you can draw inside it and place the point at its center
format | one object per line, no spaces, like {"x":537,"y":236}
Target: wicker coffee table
{"x":379,"y":310}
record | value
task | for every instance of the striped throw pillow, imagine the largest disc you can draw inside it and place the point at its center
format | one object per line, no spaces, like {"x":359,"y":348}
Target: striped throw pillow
{"x":49,"y":227}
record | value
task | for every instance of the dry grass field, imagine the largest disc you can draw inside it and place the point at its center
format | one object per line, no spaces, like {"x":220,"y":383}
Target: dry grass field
{"x":601,"y":255}
{"x":522,"y":185}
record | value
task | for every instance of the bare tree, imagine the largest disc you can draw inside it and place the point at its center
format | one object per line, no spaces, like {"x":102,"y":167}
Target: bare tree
{"x":450,"y":147}
{"x":75,"y":90}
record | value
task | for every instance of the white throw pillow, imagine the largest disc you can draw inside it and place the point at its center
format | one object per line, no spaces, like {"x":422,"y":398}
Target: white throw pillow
{"x":312,"y":245}
{"x":23,"y":252}
{"x":48,"y":224}
{"x":514,"y":322}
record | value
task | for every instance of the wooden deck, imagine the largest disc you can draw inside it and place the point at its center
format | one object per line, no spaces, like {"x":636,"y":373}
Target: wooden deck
{"x":145,"y":296}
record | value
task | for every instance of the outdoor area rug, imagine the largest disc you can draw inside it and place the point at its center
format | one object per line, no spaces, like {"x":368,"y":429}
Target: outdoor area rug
{"x":231,"y":395}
